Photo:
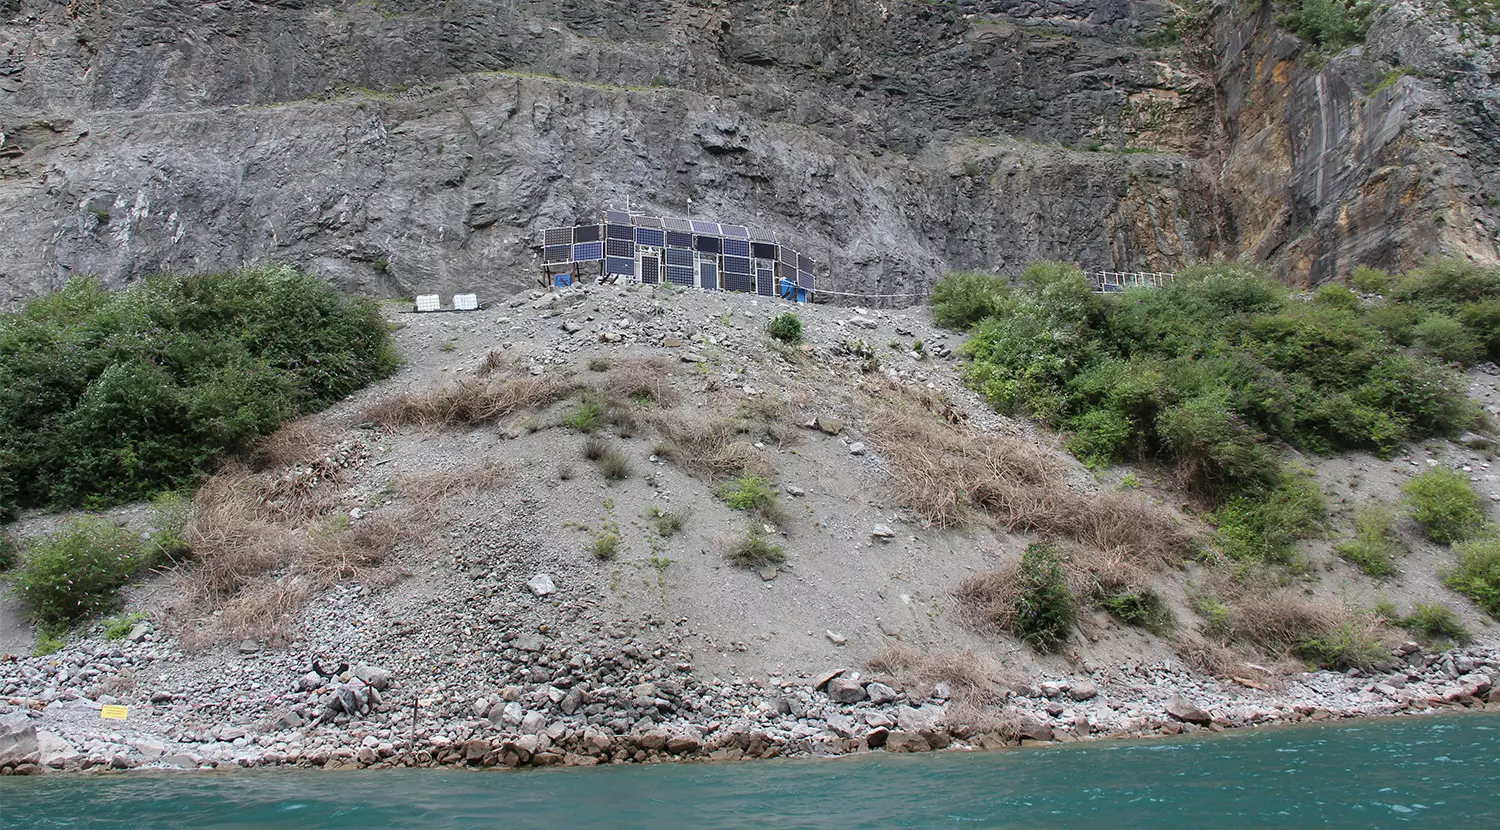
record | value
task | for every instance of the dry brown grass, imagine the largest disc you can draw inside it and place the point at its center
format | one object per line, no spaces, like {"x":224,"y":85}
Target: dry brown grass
{"x":989,"y":600}
{"x":945,"y":474}
{"x":710,"y":448}
{"x":467,"y":402}
{"x":1278,"y":621}
{"x":647,"y":380}
{"x":970,"y":677}
{"x":299,"y":442}
{"x":492,"y":362}
{"x":985,"y":720}
{"x":427,"y":493}
{"x":263,"y":543}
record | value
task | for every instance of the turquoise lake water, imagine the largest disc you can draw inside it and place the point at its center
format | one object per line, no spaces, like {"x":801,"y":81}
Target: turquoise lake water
{"x":1408,"y":772}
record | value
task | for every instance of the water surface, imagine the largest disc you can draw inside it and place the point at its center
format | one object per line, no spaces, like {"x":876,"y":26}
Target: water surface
{"x":1417,"y":771}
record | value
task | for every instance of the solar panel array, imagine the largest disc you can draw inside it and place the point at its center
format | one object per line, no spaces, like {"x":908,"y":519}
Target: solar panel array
{"x":686,"y":252}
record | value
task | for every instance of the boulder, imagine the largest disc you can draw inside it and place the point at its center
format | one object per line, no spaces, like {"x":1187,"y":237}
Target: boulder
{"x":876,"y":738}
{"x":1187,"y":711}
{"x":533,"y":723}
{"x":842,"y":725}
{"x":541,"y":585}
{"x":1034,"y":730}
{"x":475,"y":749}
{"x":882,"y":532}
{"x":655,"y":739}
{"x":683,"y":744}
{"x":828,"y":426}
{"x":825,"y":678}
{"x":1083,"y":690}
{"x":845,"y":690}
{"x":906,"y":742}
{"x":880,"y":693}
{"x":18,"y":744}
{"x":375,"y":676}
{"x":916,"y":720}
{"x":53,"y":751}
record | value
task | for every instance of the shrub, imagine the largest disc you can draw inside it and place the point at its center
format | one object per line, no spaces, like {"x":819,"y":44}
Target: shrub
{"x":1477,"y":574}
{"x":1331,"y":24}
{"x":586,"y":417}
{"x":1215,"y":614}
{"x":1352,"y":644}
{"x":107,"y":397}
{"x":1373,"y":549}
{"x":593,"y":449}
{"x":1044,"y":607}
{"x":1142,"y":608}
{"x":748,"y":492}
{"x":600,"y":364}
{"x":78,"y":571}
{"x":786,"y":327}
{"x":1444,"y":504}
{"x":1337,"y":296}
{"x":1435,"y":622}
{"x":667,"y":523}
{"x":1100,"y":437}
{"x":754,"y":550}
{"x":1447,"y":339}
{"x":606,"y":544}
{"x":1264,"y":525}
{"x":964,"y":298}
{"x":1369,"y":280}
{"x":169,"y":520}
{"x":7,"y":552}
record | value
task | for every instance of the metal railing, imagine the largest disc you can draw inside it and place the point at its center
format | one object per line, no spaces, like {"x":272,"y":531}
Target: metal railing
{"x":1110,"y":282}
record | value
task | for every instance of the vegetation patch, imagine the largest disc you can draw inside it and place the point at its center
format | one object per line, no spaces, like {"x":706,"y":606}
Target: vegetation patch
{"x":107,"y":397}
{"x":1263,"y":524}
{"x":1143,"y":608}
{"x":1477,"y":574}
{"x":1330,"y":25}
{"x":1374,"y":547}
{"x":606,"y":545}
{"x":1283,"y":622}
{"x":667,"y":522}
{"x":587,"y":416}
{"x":786,"y":327}
{"x":1444,"y":504}
{"x":751,"y":493}
{"x":964,"y":298}
{"x":78,"y":572}
{"x":1032,"y":600}
{"x":1435,"y":622}
{"x":754,"y":550}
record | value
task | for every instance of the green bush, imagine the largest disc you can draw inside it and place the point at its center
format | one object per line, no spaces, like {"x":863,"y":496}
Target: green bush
{"x":1208,"y":372}
{"x":1369,"y":280}
{"x":1373,"y":548}
{"x":786,"y":327}
{"x":8,"y":555}
{"x":78,"y":571}
{"x":964,"y":298}
{"x":667,"y":522}
{"x":169,"y":519}
{"x":117,"y":628}
{"x":1217,"y":619}
{"x":1044,"y":607}
{"x":1447,"y":339}
{"x":606,"y":546}
{"x":107,"y":397}
{"x":1352,"y":644}
{"x":1462,"y":292}
{"x":748,"y":492}
{"x":1142,"y":608}
{"x":1444,"y":504}
{"x":1337,"y":296}
{"x":1477,"y":575}
{"x":1435,"y":622}
{"x":1264,"y":525}
{"x":1331,"y":24}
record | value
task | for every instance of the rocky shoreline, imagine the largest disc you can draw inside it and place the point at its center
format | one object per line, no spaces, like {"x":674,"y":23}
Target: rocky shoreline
{"x":640,"y":703}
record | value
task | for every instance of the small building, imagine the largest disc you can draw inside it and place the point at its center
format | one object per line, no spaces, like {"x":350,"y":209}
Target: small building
{"x":694,"y":253}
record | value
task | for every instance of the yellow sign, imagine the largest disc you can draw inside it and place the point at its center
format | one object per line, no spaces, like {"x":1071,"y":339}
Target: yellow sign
{"x":112,"y":712}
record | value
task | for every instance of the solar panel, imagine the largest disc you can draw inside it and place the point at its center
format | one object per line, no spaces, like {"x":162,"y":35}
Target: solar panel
{"x":557,"y":253}
{"x":680,"y":256}
{"x":676,"y":225}
{"x":706,"y":244}
{"x":679,"y":239}
{"x":588,"y":233}
{"x":708,"y":276}
{"x":805,"y":280}
{"x":738,"y":231}
{"x":736,"y":247}
{"x":617,"y":217}
{"x":588,"y":252}
{"x":787,"y":255}
{"x":763,"y":250}
{"x":557,"y":236}
{"x":465,"y":302}
{"x":619,"y":265}
{"x":762,"y":235}
{"x":785,"y":272}
{"x":619,"y":248}
{"x":804,"y":262}
{"x":736,"y":264}
{"x":706,"y":227}
{"x":619,"y":232}
{"x":646,"y":221}
{"x":650,"y":270}
{"x":765,"y":282}
{"x":680,"y":275}
{"x":651,"y":236}
{"x":738,"y":282}
{"x":429,"y":302}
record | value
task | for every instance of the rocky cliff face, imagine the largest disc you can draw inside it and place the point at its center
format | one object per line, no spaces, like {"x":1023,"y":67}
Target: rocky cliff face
{"x":399,"y":146}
